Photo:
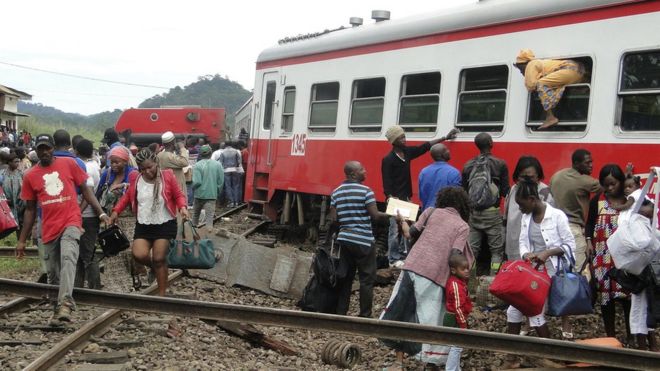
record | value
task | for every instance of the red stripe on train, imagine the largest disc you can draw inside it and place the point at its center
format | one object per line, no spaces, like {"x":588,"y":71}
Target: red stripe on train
{"x":516,"y":26}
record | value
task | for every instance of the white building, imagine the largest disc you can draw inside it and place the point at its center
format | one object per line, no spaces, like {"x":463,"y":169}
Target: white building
{"x":9,"y":98}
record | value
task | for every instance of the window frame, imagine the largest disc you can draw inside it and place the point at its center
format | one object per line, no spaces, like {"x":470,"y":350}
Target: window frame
{"x":482,"y":125}
{"x":272,"y":110}
{"x":402,"y":89}
{"x":618,"y":112}
{"x":366,"y":128}
{"x":287,"y":89}
{"x":312,"y":101}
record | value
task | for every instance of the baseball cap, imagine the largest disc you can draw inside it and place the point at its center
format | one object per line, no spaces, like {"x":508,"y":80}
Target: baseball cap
{"x":205,"y":150}
{"x":44,"y":139}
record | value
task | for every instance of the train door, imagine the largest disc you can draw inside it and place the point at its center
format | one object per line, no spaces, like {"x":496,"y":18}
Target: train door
{"x":262,"y":155}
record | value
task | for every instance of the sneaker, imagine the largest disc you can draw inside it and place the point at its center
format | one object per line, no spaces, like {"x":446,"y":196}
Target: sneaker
{"x":397,"y":264}
{"x":63,"y":313}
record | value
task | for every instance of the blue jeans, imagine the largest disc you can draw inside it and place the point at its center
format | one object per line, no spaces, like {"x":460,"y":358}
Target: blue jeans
{"x":397,"y":246}
{"x":189,"y":189}
{"x":233,"y":187}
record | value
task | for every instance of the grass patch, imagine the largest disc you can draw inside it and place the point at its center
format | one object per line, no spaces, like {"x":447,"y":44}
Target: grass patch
{"x":9,"y":266}
{"x":10,"y":240}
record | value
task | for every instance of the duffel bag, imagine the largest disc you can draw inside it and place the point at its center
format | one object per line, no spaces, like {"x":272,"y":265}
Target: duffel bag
{"x":519,"y":284}
{"x":570,"y":293}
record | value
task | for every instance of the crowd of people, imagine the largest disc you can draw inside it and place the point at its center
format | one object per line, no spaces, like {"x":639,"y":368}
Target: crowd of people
{"x":62,"y":192}
{"x":569,"y":220}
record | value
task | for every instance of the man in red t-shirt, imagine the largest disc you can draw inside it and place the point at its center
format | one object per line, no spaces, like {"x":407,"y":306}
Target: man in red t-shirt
{"x":52,"y":184}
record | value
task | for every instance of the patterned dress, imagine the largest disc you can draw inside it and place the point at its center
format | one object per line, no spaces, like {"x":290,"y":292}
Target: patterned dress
{"x":605,"y":224}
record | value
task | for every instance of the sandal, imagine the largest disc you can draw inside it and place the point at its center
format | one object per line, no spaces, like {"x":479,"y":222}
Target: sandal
{"x":137,"y":282}
{"x":173,"y":331}
{"x":567,"y":335}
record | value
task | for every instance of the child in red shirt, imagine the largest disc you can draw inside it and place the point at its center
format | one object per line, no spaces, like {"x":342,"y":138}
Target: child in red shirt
{"x":457,"y":303}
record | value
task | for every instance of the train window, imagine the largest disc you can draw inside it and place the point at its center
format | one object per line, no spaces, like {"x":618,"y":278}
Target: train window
{"x":268,"y":104}
{"x":639,"y":92}
{"x":367,"y":103}
{"x":288,"y":109}
{"x":573,"y":107}
{"x":419,"y":101}
{"x":323,"y":107}
{"x":482,"y":98}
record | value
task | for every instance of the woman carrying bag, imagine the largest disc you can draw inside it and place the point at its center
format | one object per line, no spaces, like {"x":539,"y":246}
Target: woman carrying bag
{"x":544,"y":238}
{"x":155,"y":197}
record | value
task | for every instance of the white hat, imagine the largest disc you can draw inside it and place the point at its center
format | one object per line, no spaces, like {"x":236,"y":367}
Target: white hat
{"x":167,"y":137}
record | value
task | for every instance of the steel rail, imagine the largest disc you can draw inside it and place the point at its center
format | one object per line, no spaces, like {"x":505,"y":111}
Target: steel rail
{"x":255,"y":228}
{"x":228,"y":212}
{"x":496,"y":342}
{"x":16,"y":305}
{"x":55,"y":354}
{"x":8,"y":251}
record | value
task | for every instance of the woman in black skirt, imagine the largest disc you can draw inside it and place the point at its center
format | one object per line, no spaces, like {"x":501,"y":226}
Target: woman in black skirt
{"x":155,"y":198}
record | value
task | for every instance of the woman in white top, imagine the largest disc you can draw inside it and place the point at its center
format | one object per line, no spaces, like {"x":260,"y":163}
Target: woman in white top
{"x":544,"y":237}
{"x":155,"y":198}
{"x":527,"y":167}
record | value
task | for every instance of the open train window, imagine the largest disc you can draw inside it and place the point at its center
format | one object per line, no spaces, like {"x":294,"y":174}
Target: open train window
{"x":573,"y":107}
{"x":367,"y":101}
{"x":323,"y":107}
{"x":268,"y":105}
{"x":288,"y":109}
{"x":639,"y":92}
{"x":482,"y":98}
{"x":419,"y":102}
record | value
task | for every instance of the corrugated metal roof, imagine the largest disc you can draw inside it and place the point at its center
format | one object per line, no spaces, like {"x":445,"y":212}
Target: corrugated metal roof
{"x":17,"y":93}
{"x":480,"y":14}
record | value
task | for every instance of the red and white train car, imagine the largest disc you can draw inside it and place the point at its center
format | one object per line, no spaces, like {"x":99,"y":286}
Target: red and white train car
{"x":325,"y":100}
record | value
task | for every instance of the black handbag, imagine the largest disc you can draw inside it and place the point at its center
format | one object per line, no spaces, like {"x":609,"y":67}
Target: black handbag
{"x":113,"y":241}
{"x":328,"y":265}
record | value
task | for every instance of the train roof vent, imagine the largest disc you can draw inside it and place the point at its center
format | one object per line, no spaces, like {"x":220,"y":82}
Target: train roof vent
{"x":380,"y":15}
{"x":355,"y":21}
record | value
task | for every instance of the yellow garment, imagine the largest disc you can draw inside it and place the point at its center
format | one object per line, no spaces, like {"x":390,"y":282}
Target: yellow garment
{"x":551,"y":73}
{"x":525,"y":55}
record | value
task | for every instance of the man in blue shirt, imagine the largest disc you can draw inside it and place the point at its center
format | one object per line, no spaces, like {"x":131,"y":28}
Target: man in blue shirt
{"x":353,"y":207}
{"x":437,"y":176}
{"x":62,"y":141}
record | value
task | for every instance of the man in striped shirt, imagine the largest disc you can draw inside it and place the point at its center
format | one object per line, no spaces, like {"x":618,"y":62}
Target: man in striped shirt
{"x":353,"y":207}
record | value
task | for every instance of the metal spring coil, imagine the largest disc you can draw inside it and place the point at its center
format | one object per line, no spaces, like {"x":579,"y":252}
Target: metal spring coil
{"x":340,"y":353}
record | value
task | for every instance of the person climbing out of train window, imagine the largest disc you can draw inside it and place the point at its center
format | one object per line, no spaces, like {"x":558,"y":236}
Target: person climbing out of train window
{"x":437,"y":176}
{"x":545,"y":237}
{"x":243,"y":136}
{"x":208,"y":179}
{"x":548,"y":78}
{"x":155,"y":198}
{"x":353,"y":207}
{"x":231,"y":162}
{"x":571,"y":189}
{"x":52,"y":185}
{"x":395,"y":171}
{"x":486,"y":179}
{"x":174,"y":156}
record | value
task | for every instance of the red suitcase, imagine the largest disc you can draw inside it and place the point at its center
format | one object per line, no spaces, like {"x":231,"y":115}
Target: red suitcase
{"x":522,"y":286}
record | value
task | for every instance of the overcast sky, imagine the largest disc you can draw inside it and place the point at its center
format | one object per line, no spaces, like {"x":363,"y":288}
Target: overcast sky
{"x":161,"y":43}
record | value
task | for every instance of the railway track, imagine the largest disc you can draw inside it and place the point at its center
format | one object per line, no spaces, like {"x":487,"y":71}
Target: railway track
{"x":535,"y":347}
{"x":99,"y":323}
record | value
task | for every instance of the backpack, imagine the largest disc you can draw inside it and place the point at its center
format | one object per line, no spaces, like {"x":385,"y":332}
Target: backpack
{"x":481,"y":190}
